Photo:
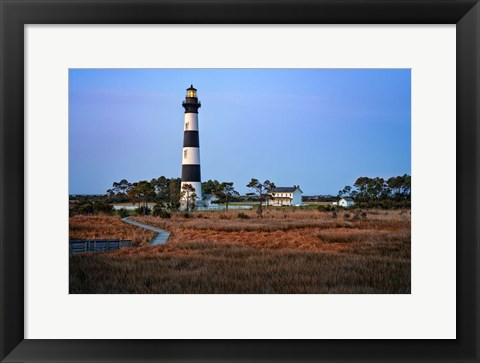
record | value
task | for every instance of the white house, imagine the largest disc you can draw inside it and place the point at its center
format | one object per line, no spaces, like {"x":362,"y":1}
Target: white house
{"x":346,"y":202}
{"x":286,"y":196}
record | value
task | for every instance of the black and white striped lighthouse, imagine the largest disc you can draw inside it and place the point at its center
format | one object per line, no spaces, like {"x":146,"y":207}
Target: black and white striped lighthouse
{"x":191,"y":145}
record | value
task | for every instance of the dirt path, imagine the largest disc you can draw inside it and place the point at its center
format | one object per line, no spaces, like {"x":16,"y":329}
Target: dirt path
{"x":160,"y":238}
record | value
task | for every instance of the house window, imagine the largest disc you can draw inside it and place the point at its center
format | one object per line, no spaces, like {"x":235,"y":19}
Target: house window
{"x":185,"y":153}
{"x":186,"y":125}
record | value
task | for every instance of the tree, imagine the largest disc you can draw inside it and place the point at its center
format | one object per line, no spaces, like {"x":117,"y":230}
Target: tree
{"x":210,"y":186}
{"x":124,"y":186}
{"x":142,"y":192}
{"x":377,"y":192}
{"x":407,"y":186}
{"x":261,"y":190}
{"x":174,"y":193}
{"x":400,"y":187}
{"x":346,"y":191}
{"x":378,"y":188}
{"x":118,"y":192}
{"x":225,"y":193}
{"x":370,"y":189}
{"x":361,"y":184}
{"x":188,"y":196}
{"x":162,"y":189}
{"x":268,"y":186}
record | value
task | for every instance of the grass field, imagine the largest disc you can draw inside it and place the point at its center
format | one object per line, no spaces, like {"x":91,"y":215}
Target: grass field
{"x":98,"y":227}
{"x":287,"y":251}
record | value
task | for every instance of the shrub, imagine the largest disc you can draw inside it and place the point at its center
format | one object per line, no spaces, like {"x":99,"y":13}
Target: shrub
{"x":346,"y":216}
{"x":173,"y":206}
{"x":142,"y":211}
{"x":164,"y":214}
{"x":260,"y":211}
{"x":85,"y":208}
{"x":359,"y":215}
{"x":102,"y":208}
{"x":326,"y":208}
{"x":242,"y":215}
{"x":159,"y":210}
{"x":123,"y":213}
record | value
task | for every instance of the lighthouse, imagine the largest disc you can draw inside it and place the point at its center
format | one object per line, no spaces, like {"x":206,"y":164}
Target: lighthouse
{"x":191,"y":147}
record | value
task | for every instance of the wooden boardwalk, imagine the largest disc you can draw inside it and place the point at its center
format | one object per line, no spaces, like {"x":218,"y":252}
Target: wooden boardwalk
{"x":159,"y":239}
{"x":97,"y":245}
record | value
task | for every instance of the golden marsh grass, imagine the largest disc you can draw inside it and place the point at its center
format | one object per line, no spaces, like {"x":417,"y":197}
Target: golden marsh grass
{"x":287,"y":251}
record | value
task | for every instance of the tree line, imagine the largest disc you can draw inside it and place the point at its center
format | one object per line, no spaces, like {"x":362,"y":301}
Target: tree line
{"x":166,"y":193}
{"x":162,"y":190}
{"x":394,"y":192}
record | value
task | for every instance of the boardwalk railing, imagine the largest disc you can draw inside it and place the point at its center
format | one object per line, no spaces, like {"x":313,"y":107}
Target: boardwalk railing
{"x":97,"y":245}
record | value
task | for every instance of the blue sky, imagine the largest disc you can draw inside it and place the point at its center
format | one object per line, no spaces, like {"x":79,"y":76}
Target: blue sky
{"x":318,"y":128}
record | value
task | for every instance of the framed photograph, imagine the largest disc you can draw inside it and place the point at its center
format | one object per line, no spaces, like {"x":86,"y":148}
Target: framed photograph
{"x":332,"y":214}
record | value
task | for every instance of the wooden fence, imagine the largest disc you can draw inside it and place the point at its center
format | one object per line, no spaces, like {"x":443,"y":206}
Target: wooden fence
{"x":97,"y":245}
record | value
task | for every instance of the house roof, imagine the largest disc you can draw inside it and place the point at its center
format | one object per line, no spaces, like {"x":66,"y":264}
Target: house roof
{"x":348,"y":199}
{"x":283,"y":189}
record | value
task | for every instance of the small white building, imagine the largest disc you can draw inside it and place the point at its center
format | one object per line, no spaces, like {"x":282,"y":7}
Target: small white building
{"x":286,"y":196}
{"x":346,"y":202}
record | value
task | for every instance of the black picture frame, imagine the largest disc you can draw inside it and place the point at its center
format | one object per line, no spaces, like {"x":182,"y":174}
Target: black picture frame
{"x":15,"y":14}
